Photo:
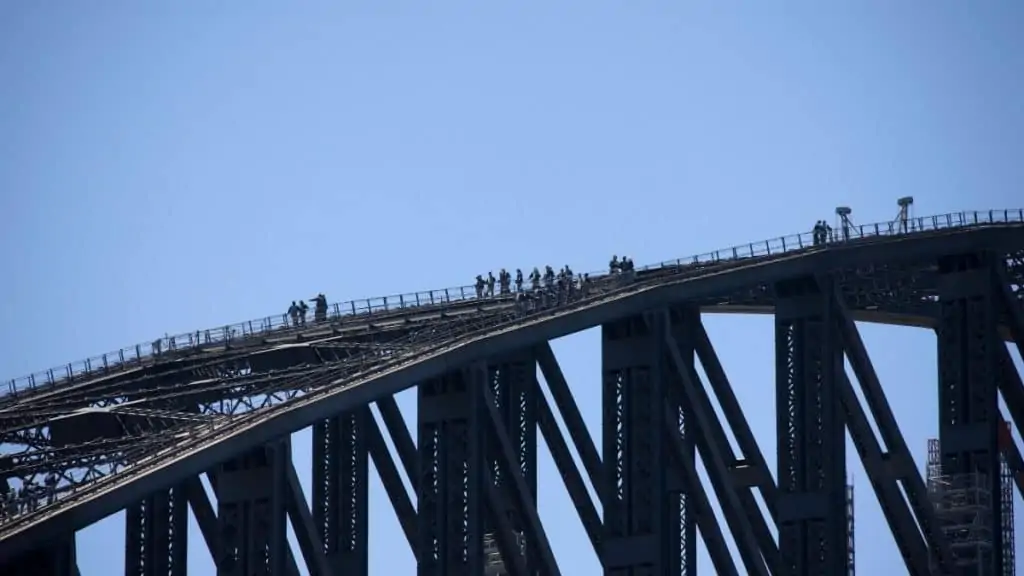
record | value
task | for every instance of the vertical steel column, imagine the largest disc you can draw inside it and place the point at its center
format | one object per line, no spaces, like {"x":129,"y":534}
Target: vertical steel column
{"x":156,"y":535}
{"x":851,"y":541}
{"x":513,"y":381}
{"x":811,"y":441}
{"x":452,"y":466}
{"x":252,"y":500}
{"x":636,"y":507}
{"x":1006,"y":509}
{"x":340,"y":477}
{"x":682,"y":526}
{"x":969,"y":417}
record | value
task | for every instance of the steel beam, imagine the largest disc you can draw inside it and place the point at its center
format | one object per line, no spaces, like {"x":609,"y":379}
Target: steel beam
{"x":156,"y":535}
{"x":400,"y":436}
{"x":210,"y":527}
{"x":638,"y":510}
{"x":683,"y":463}
{"x":753,"y":464}
{"x":811,"y":436}
{"x":513,"y":383}
{"x":451,"y":471}
{"x":569,"y":472}
{"x":340,"y":493}
{"x":753,"y":538}
{"x":515,"y":483}
{"x":682,"y":526}
{"x":1006,"y":481}
{"x":391,"y":479}
{"x":305,"y":529}
{"x":969,"y":418}
{"x":252,"y":500}
{"x":570,"y":412}
{"x":894,"y":473}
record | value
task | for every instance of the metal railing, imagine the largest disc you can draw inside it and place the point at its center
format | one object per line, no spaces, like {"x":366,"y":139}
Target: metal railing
{"x":339,"y":313}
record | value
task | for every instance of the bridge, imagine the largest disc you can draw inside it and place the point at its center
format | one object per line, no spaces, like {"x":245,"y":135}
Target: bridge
{"x":135,"y":429}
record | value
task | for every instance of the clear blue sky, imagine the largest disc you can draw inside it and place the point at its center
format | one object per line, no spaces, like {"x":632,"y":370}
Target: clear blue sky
{"x":171,"y":166}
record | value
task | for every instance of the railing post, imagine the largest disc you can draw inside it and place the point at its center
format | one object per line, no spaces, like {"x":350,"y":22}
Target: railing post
{"x":431,"y":297}
{"x":462,"y":290}
{"x":49,"y":376}
{"x":138,"y":352}
{"x":385,"y":303}
{"x":783,"y":238}
{"x":401,"y":301}
{"x":369,"y":306}
{"x":120,"y":356}
{"x":447,"y":297}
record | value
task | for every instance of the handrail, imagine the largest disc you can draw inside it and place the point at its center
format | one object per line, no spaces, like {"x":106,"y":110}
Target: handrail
{"x":344,"y":312}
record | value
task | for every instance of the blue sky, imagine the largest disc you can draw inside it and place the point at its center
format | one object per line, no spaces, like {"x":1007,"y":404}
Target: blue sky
{"x":172,"y":166}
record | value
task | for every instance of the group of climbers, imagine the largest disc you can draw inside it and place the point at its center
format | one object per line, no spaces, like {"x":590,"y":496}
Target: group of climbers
{"x":822,"y":232}
{"x":564,"y":279}
{"x":27,"y":497}
{"x":617,"y":266}
{"x":298,"y":310}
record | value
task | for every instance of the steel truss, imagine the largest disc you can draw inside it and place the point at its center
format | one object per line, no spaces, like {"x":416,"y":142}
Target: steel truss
{"x":472,"y":464}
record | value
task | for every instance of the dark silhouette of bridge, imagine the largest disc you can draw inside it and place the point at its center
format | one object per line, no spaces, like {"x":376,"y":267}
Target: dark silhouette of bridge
{"x":134,"y":429}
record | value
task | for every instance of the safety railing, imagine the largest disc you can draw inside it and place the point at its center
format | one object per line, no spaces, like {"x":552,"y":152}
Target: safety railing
{"x":340,"y":313}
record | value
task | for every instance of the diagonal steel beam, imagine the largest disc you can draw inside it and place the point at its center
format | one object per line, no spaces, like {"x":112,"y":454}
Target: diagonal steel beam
{"x":734,"y":416}
{"x":902,"y":463}
{"x":206,"y":516}
{"x":751,"y":472}
{"x":1008,"y":446}
{"x":203,"y":510}
{"x":504,"y":534}
{"x":707,"y":523}
{"x":305,"y":530}
{"x":389,"y":476}
{"x":880,"y":473}
{"x":571,"y":415}
{"x":400,"y":436}
{"x":709,"y":435}
{"x":1010,"y":382}
{"x":569,"y":471}
{"x":1014,"y":311}
{"x":544,"y":561}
